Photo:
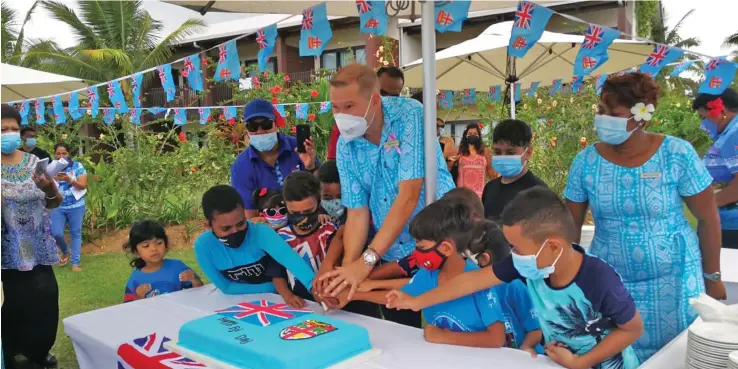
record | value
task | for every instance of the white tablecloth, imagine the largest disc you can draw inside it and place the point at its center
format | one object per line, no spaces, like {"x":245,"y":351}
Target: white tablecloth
{"x":97,"y":334}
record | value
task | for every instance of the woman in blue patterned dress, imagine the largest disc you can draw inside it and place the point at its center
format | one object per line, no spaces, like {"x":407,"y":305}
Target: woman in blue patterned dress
{"x":30,"y":312}
{"x":719,"y":114}
{"x":73,"y":185}
{"x":636,"y":183}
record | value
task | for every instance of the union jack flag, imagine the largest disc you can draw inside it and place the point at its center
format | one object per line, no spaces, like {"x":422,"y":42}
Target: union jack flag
{"x":593,"y":37}
{"x":222,"y":53}
{"x":261,"y":39}
{"x":523,"y":15}
{"x":307,"y":19}
{"x":262,"y":312}
{"x":444,"y":18}
{"x":162,"y":75}
{"x":713,"y":64}
{"x":657,"y":55}
{"x":91,"y":95}
{"x":188,"y":67}
{"x":111,"y":89}
{"x":149,"y":353}
{"x":363,"y":6}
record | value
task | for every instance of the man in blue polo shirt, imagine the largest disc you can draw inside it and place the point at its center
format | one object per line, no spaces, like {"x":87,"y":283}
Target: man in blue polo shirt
{"x":270,"y":157}
{"x":382,"y":167}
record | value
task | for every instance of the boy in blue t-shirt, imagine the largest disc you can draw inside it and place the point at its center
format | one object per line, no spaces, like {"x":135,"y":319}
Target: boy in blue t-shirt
{"x":237,"y":255}
{"x":588,"y":318}
{"x":475,"y":320}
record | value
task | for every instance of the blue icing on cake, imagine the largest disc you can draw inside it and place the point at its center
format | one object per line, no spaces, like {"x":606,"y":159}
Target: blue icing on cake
{"x":305,"y":340}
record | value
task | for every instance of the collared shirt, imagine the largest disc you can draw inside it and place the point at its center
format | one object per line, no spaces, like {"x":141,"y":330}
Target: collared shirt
{"x":721,"y":160}
{"x":250,"y":172}
{"x":371,"y":174}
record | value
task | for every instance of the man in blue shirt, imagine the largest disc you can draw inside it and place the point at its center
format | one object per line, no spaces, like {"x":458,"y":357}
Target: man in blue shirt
{"x":381,"y":162}
{"x":270,"y":157}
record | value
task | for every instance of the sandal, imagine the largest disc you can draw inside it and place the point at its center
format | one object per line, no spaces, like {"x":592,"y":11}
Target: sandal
{"x":64,"y":260}
{"x":76,"y":268}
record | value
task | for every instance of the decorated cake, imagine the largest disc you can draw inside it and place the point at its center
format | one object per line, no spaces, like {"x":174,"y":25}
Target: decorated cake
{"x":266,"y":335}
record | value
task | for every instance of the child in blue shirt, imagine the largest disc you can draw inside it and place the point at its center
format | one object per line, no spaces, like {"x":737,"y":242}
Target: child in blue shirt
{"x":236,"y":254}
{"x":154,"y":275}
{"x":588,"y":318}
{"x":442,"y":232}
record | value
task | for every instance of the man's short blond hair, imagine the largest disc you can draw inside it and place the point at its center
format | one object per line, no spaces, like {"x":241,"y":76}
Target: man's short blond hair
{"x":360,"y":74}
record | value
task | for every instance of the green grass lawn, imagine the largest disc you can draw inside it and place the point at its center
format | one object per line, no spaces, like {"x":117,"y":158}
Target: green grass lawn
{"x":100,"y":284}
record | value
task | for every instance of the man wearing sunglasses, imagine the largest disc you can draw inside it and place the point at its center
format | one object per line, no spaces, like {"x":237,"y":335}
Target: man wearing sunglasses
{"x":270,"y":157}
{"x":391,"y":82}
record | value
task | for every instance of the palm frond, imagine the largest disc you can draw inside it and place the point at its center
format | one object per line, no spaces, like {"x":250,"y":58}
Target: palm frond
{"x":62,"y":62}
{"x":65,"y":14}
{"x":731,"y":40}
{"x":21,"y":34}
{"x":9,"y":32}
{"x":101,"y":20}
{"x":115,"y":56}
{"x":689,"y":42}
{"x":163,"y":51}
{"x":678,"y":25}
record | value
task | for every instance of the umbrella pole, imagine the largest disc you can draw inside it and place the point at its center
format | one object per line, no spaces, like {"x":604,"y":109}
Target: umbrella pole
{"x":428,"y":37}
{"x":512,"y":101}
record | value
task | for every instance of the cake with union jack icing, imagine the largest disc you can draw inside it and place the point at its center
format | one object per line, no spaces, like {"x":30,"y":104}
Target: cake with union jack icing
{"x":267,"y":335}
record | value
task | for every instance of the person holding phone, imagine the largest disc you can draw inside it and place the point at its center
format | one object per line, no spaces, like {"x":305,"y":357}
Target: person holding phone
{"x":270,"y":157}
{"x":72,"y":182}
{"x":30,"y":312}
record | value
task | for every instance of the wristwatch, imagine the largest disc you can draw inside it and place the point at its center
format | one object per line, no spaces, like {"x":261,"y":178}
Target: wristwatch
{"x":715,"y":277}
{"x":370,"y":257}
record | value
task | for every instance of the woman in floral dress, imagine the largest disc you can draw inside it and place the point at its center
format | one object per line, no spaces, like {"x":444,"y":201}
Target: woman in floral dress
{"x":30,"y":312}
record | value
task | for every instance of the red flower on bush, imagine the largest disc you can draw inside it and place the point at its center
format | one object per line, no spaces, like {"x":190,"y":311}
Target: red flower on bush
{"x":195,"y":170}
{"x":550,"y":122}
{"x":294,"y":129}
{"x":255,"y":81}
{"x":204,"y":61}
{"x":311,"y":116}
{"x":286,"y":78}
{"x":314,"y":93}
{"x":480,"y":125}
{"x":266,"y":74}
{"x":96,"y":178}
{"x":210,"y":118}
{"x":275,"y":100}
{"x":275,"y":90}
{"x":221,"y":117}
{"x":182,"y":137}
{"x":231,"y":121}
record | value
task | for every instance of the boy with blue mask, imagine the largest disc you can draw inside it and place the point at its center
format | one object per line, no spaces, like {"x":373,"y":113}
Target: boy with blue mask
{"x":512,"y":150}
{"x":28,"y":135}
{"x":588,"y":318}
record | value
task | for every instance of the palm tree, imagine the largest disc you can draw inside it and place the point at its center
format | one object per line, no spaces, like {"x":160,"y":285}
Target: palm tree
{"x":13,"y":39}
{"x":115,"y":38}
{"x":662,"y":34}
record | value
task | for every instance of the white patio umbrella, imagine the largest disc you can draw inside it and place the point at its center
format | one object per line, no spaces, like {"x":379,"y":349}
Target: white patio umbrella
{"x":20,"y":83}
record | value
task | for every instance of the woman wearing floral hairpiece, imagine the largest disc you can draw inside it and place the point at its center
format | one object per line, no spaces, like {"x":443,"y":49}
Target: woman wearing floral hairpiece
{"x":719,"y":115}
{"x":636,"y":182}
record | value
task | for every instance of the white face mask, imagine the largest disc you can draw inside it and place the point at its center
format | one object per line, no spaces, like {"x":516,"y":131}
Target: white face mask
{"x":352,"y":126}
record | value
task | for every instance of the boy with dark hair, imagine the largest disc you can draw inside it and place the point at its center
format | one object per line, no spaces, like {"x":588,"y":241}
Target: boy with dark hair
{"x":588,"y":318}
{"x":28,"y":135}
{"x":391,"y":81}
{"x":305,"y":234}
{"x":239,"y":256}
{"x":512,"y":150}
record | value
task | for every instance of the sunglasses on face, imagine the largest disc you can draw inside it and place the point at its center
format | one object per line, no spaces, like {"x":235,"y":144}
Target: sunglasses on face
{"x":265,"y":124}
{"x":385,"y":93}
{"x":275,"y":212}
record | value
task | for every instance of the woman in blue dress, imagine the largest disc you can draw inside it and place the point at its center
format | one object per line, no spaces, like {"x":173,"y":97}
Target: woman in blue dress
{"x":719,"y":114}
{"x":636,"y":183}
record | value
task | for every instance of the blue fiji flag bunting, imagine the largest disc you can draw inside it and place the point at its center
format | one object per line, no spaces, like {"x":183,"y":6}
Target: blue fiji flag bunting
{"x":555,"y":87}
{"x":230,"y":113}
{"x":281,"y":110}
{"x":599,"y":82}
{"x":108,"y":116}
{"x":719,"y":74}
{"x":93,"y":100}
{"x":40,"y":113}
{"x":266,"y":38}
{"x":59,"y":116}
{"x":494,"y":93}
{"x":191,"y":71}
{"x":593,"y":51}
{"x":167,"y":82}
{"x":116,"y":97}
{"x":528,"y":26}
{"x":136,"y":84}
{"x":576,"y":84}
{"x":325,"y":107}
{"x":156,"y":111}
{"x":25,"y":107}
{"x":659,"y":58}
{"x":533,"y":88}
{"x":135,"y":114}
{"x":446,"y":99}
{"x":301,"y":111}
{"x":316,"y":31}
{"x":180,"y":117}
{"x":73,"y":105}
{"x":469,"y":96}
{"x":679,"y":69}
{"x":204,"y":115}
{"x":229,"y":67}
{"x":451,"y":15}
{"x":516,"y":90}
{"x":372,"y":17}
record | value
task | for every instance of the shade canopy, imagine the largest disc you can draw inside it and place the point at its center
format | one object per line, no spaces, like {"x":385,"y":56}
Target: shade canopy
{"x":483,"y":62}
{"x":20,"y":83}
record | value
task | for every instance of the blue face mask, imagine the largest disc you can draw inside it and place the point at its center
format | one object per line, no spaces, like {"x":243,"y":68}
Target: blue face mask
{"x":334,"y":208}
{"x":612,"y":130}
{"x":527,"y":265}
{"x":710,"y":128}
{"x":263,"y":142}
{"x":10,"y":142}
{"x":508,"y":165}
{"x":31,"y":142}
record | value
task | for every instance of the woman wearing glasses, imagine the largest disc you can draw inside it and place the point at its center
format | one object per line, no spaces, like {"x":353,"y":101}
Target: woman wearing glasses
{"x":270,"y":157}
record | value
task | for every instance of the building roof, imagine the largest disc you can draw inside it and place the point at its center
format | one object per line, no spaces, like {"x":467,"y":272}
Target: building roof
{"x":248,"y":25}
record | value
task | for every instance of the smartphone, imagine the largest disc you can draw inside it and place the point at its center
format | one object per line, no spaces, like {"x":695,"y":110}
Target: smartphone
{"x":303,"y":133}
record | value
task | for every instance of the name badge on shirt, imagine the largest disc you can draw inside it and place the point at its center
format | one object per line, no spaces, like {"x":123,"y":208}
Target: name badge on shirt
{"x":390,"y":144}
{"x":652,"y":175}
